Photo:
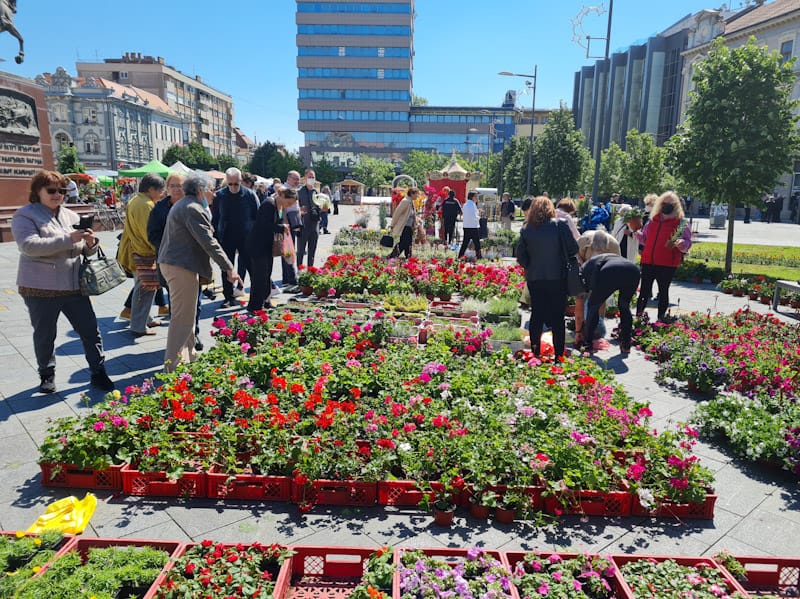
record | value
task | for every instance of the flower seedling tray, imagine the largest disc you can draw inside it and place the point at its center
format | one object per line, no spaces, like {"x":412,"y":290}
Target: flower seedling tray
{"x":408,"y":493}
{"x":512,"y":558}
{"x":589,"y":503}
{"x":253,"y":487}
{"x":621,"y":560}
{"x":447,"y":554}
{"x":534,"y":493}
{"x":670,"y":509}
{"x":336,"y":492}
{"x":771,"y":575}
{"x":67,"y":543}
{"x":321,"y":572}
{"x":56,"y":474}
{"x":157,"y":484}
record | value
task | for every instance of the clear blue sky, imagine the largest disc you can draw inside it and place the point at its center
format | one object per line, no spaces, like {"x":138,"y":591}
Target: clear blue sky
{"x":246,"y":48}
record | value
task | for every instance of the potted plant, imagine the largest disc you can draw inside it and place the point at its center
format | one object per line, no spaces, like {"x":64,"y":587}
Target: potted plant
{"x":23,"y":555}
{"x":442,"y":498}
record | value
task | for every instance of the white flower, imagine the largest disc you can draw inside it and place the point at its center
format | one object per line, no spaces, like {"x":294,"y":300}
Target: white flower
{"x":646,"y":498}
{"x":404,"y":446}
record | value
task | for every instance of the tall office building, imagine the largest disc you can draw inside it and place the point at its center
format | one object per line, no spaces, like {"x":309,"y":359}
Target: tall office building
{"x":209,"y":110}
{"x":355,"y":63}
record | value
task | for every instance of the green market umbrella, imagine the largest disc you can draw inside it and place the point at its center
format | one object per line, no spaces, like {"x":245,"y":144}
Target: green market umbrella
{"x":154,"y":166}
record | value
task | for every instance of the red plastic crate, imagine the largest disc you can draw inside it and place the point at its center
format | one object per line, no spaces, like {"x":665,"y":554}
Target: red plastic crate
{"x":621,"y":560}
{"x":670,"y":509}
{"x":771,"y":575}
{"x":336,"y":492}
{"x":447,"y":554}
{"x":172,"y":548}
{"x":512,"y":558}
{"x":69,"y":475}
{"x":156,"y":484}
{"x":321,"y":572}
{"x":66,"y":544}
{"x":254,"y":487}
{"x":534,"y":493}
{"x":590,"y":503}
{"x":408,"y":493}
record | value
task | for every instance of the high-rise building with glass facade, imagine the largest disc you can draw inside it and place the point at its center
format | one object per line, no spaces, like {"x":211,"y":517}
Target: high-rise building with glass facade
{"x":355,"y":62}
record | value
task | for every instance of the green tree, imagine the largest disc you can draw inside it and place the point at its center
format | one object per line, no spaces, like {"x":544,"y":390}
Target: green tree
{"x":516,"y":166}
{"x":612,"y":164}
{"x":201,"y":158}
{"x":643,"y":170}
{"x":560,"y":154}
{"x":373,"y":172}
{"x":226,"y":161}
{"x":68,"y":161}
{"x":176,"y":153}
{"x":259,"y":163}
{"x":420,"y":162}
{"x":282,"y":162}
{"x":740,"y":134}
{"x":419,"y":101}
{"x":325,"y":171}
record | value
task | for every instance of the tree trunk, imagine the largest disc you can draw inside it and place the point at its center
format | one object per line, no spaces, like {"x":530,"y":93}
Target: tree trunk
{"x":729,"y":248}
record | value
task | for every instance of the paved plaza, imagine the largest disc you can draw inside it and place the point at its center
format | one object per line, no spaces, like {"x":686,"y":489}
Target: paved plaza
{"x":758,"y":511}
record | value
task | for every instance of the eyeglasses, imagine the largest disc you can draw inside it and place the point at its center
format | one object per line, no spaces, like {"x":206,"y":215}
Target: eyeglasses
{"x":233,"y":184}
{"x":54,"y":190}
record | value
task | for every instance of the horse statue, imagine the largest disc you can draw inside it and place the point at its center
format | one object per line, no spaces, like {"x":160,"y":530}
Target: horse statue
{"x":7,"y":10}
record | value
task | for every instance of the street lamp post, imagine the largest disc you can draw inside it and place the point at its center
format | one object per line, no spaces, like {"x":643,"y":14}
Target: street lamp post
{"x":532,"y":87}
{"x":606,"y":106}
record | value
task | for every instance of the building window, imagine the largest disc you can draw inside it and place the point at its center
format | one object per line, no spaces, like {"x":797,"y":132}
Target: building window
{"x":381,"y":73}
{"x":123,"y":74}
{"x":381,"y":52}
{"x":59,"y":113}
{"x":89,"y":115}
{"x":786,"y":50}
{"x":342,"y":51}
{"x":92,"y":144}
{"x":62,"y":141}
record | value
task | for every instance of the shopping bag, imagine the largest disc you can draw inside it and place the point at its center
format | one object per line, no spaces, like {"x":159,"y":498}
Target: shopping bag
{"x":277,"y":245}
{"x":387,"y":241}
{"x":100,"y":274}
{"x":288,"y":249}
{"x":147,"y":272}
{"x":70,"y":515}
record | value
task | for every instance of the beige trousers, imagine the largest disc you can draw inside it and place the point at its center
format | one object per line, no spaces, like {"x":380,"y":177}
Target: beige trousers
{"x":183,"y":286}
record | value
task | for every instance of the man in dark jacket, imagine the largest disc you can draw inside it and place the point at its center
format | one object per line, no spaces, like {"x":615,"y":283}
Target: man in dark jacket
{"x":451,"y":208}
{"x":310,"y":213}
{"x":604,"y":274}
{"x":235,"y":212}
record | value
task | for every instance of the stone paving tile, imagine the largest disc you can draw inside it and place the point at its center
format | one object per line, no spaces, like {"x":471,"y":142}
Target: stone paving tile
{"x":743,"y":493}
{"x":784,"y":502}
{"x":166,"y":531}
{"x":208,"y":515}
{"x":735,"y":547}
{"x":770,"y":532}
{"x":125,"y":516}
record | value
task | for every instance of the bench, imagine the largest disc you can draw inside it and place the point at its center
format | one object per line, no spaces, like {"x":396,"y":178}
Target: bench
{"x":788,"y":285}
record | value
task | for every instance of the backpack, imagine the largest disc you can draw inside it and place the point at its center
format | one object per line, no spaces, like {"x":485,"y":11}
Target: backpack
{"x":596,"y":217}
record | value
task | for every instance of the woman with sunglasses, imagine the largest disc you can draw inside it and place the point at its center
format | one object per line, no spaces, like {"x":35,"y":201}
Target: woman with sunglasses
{"x":51,"y":246}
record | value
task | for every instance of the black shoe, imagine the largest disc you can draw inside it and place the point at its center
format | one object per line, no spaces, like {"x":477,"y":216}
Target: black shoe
{"x":198,"y":346}
{"x":624,"y":348}
{"x":48,"y":384}
{"x":209,"y":294}
{"x":228,"y":303}
{"x":101,"y":381}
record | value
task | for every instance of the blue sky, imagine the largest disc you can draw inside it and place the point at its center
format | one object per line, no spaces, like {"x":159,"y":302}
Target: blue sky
{"x":246,"y":48}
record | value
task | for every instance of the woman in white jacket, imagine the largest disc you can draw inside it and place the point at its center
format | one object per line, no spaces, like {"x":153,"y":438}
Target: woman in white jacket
{"x":629,"y":221}
{"x":472,"y":226}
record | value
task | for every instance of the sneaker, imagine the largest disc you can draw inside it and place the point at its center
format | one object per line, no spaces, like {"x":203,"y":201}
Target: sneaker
{"x":238,"y":292}
{"x":48,"y":384}
{"x":125,"y":314}
{"x":163,"y":310}
{"x":228,"y":303}
{"x":101,"y":381}
{"x":198,"y":345}
{"x":291,"y":289}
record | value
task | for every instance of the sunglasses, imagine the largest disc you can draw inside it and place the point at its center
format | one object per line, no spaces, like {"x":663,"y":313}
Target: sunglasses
{"x":54,"y":190}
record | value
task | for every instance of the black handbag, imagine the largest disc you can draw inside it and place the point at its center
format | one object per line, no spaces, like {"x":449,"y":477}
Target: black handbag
{"x":387,"y":241}
{"x":576,"y":285}
{"x":100,"y":274}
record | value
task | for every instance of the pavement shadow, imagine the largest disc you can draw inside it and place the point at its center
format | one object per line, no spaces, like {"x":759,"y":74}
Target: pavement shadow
{"x":29,"y":400}
{"x":31,"y":494}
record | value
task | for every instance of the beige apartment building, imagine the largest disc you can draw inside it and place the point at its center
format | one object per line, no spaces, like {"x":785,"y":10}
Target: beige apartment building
{"x":208,"y":110}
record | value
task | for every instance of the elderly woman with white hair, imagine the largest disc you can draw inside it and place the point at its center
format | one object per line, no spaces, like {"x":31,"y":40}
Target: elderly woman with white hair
{"x":590,"y":244}
{"x":629,"y":221}
{"x":186,"y":247}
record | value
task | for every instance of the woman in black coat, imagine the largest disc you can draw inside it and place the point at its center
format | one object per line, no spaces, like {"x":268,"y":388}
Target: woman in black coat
{"x":267,"y":224}
{"x":541,"y":252}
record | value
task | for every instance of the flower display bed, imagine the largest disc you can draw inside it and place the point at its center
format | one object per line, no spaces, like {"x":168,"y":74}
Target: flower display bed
{"x":671,"y":509}
{"x":158,"y":484}
{"x":590,"y":503}
{"x":335,"y":492}
{"x":778,"y":576}
{"x":23,"y":555}
{"x":661,"y":576}
{"x":69,"y":475}
{"x":321,"y":572}
{"x":251,"y":487}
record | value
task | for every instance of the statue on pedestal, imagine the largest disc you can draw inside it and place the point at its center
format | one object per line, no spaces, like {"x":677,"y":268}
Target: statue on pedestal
{"x":7,"y":10}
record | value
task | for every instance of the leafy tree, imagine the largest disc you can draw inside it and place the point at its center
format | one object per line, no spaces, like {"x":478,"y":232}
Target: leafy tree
{"x":176,"y":153}
{"x":325,"y":171}
{"x":419,"y":101}
{"x":420,"y":162}
{"x":740,"y":135}
{"x":226,"y":161}
{"x":259,"y":163}
{"x":492,"y":176}
{"x":560,"y":154}
{"x":68,"y":160}
{"x":282,"y":162}
{"x":516,"y":166}
{"x":373,"y":172}
{"x":612,"y":165}
{"x":643,"y":170}
{"x":201,"y":157}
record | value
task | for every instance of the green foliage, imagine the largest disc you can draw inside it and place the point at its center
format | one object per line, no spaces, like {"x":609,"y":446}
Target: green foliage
{"x":226,"y":161}
{"x":560,"y":154}
{"x":68,"y":161}
{"x":325,"y":171}
{"x":740,"y":134}
{"x":419,"y":101}
{"x":612,"y":166}
{"x":282,"y":162}
{"x":516,"y":167}
{"x":373,"y":172}
{"x":259,"y":163}
{"x":193,"y":155}
{"x":420,"y":162}
{"x":643,"y":170}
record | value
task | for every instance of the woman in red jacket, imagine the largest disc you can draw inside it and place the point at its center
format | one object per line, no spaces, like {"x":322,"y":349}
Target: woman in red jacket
{"x":665,"y":239}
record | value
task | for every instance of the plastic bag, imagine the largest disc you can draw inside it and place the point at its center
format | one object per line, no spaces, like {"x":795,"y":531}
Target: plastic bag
{"x":69,"y":515}
{"x":288,"y":249}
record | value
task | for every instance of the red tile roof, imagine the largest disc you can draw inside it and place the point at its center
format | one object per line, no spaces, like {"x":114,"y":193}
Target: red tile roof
{"x":761,"y":14}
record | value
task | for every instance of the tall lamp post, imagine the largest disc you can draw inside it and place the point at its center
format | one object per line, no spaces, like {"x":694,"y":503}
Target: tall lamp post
{"x":532,"y":87}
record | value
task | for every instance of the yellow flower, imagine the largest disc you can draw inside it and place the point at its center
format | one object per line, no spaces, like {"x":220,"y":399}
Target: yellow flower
{"x":36,"y":569}
{"x":37,"y":541}
{"x":116,"y":394}
{"x":20,"y":534}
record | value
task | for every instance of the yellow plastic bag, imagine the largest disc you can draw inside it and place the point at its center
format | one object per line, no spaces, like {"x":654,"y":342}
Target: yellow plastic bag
{"x":69,"y":515}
